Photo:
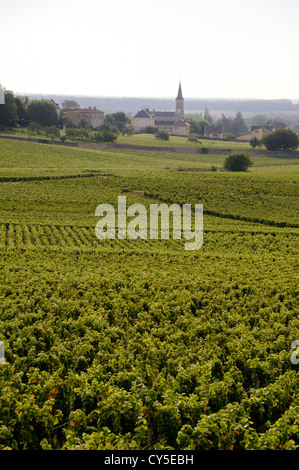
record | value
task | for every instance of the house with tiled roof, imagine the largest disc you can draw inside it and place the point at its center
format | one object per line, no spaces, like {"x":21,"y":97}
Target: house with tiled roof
{"x":181,"y":128}
{"x":214,"y":131}
{"x":94,"y":116}
{"x":142,"y":120}
{"x":172,"y":122}
{"x":261,"y":131}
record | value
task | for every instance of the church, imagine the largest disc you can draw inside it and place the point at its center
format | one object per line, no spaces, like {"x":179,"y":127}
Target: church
{"x":172,"y":122}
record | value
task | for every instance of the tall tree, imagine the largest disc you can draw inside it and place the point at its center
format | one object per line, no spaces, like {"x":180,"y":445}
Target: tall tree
{"x":70,"y":104}
{"x":42,"y":111}
{"x":195,"y":127}
{"x":21,"y":112}
{"x":208,"y":116}
{"x":238,"y":124}
{"x":117,"y":119}
{"x":226,"y":122}
{"x":258,"y":120}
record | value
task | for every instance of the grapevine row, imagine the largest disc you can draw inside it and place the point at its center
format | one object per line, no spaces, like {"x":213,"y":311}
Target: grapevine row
{"x":17,"y":236}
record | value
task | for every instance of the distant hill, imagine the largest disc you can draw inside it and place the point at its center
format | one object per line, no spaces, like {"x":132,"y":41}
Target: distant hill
{"x":132,"y":105}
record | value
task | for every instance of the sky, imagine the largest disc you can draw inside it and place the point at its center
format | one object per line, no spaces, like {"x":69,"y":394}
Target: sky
{"x":131,"y":48}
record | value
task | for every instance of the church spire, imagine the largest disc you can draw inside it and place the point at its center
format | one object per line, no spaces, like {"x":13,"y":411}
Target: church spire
{"x":179,"y":105}
{"x":180,"y":95}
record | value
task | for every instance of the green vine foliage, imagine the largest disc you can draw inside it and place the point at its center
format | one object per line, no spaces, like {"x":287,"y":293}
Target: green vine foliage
{"x":139,"y":344}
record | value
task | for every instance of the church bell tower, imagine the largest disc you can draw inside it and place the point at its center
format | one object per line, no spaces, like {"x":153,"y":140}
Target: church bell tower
{"x":179,"y":105}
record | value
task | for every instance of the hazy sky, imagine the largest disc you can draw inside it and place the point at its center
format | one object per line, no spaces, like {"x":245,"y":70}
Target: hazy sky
{"x":217,"y":48}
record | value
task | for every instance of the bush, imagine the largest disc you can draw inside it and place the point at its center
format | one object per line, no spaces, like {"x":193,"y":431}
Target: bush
{"x":105,"y":135}
{"x":237,"y":162}
{"x":151,"y":130}
{"x":34,"y":128}
{"x":163,"y":135}
{"x":77,"y":134}
{"x":193,"y":138}
{"x":255,"y":142}
{"x":229,"y":136}
{"x":52,"y":131}
{"x":281,"y":139}
{"x":128,"y":130}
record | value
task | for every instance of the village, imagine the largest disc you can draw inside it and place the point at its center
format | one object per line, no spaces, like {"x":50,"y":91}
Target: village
{"x":172,"y":122}
{"x":67,"y":121}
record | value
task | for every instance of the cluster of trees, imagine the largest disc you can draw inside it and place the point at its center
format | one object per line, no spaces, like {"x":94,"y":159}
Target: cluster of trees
{"x":235,"y":126}
{"x":103,"y":133}
{"x":48,"y":131}
{"x":232,"y":126}
{"x":292,"y":122}
{"x":197,"y":127}
{"x":41,"y":117}
{"x":20,"y":111}
{"x":13,"y":112}
{"x":281,"y":139}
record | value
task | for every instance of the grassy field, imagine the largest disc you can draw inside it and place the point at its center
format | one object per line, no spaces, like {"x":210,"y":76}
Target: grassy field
{"x":27,"y":159}
{"x":148,"y":140}
{"x":140,"y":344}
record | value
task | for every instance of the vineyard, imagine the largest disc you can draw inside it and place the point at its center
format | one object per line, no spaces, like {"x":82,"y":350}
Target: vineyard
{"x":139,"y":344}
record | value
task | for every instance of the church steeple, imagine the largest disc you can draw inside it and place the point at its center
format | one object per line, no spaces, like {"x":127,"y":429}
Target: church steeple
{"x":180,"y":95}
{"x":179,"y":105}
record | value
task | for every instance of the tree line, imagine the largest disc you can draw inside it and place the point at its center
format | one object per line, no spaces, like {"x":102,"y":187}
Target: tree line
{"x":281,"y":139}
{"x":232,"y":126}
{"x":41,"y":117}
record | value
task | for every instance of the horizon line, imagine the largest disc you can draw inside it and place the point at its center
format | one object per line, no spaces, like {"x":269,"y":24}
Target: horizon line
{"x":210,"y":98}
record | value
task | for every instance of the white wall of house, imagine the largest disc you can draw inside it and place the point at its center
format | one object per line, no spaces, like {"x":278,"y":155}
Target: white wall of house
{"x":139,"y":124}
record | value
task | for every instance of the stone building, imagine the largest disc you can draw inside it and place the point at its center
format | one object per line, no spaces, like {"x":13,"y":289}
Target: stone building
{"x":261,"y":131}
{"x":214,"y":131}
{"x":172,"y":122}
{"x":181,"y":128}
{"x":143,"y":119}
{"x":93,"y":116}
